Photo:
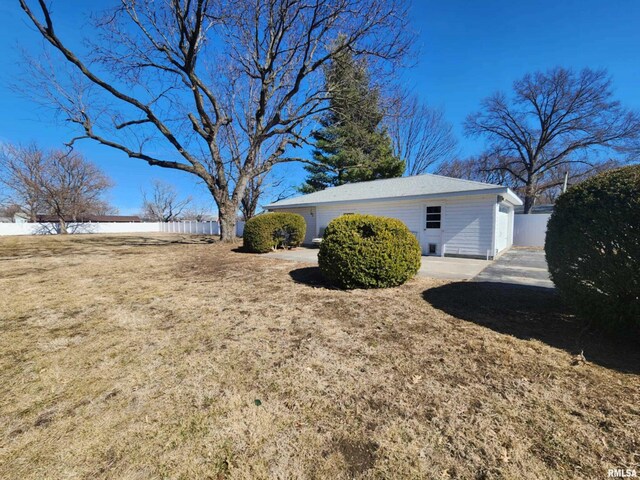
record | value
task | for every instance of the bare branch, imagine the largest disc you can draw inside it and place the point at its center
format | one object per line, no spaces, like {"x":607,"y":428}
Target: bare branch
{"x":222,"y":90}
{"x":56,"y":183}
{"x":555,"y":118}
{"x":163,"y":204}
{"x":420,"y":134}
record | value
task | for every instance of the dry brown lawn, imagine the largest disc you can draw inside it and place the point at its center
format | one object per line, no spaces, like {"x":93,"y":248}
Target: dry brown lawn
{"x":136,"y":357}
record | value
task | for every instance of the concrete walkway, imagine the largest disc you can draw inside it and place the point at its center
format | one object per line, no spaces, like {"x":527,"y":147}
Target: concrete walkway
{"x":445,"y":268}
{"x":518,"y":266}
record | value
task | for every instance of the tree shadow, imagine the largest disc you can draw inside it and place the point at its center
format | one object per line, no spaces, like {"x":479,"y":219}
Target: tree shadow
{"x":528,"y":312}
{"x":146,"y":241}
{"x":70,"y":245}
{"x":310,"y":276}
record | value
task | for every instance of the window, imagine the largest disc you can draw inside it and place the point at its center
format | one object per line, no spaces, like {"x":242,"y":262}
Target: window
{"x":434,"y":217}
{"x":503,"y":208}
{"x":432,"y":248}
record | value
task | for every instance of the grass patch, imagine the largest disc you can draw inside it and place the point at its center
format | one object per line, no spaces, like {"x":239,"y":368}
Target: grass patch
{"x":173,"y":357}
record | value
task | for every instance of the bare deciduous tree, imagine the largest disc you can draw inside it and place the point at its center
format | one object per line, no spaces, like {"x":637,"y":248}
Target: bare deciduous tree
{"x":487,"y":168}
{"x":574,"y":173}
{"x":197,"y":212}
{"x":8,"y":209}
{"x":256,"y":190}
{"x":57,"y":183}
{"x":420,"y":134}
{"x":220,"y":89}
{"x":479,"y":169}
{"x":20,"y":169}
{"x":555,"y":119}
{"x":163,"y":203}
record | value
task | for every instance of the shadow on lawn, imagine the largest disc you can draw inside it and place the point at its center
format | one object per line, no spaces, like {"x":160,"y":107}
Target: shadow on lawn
{"x":142,"y":241}
{"x":96,"y":243}
{"x":528,"y":312}
{"x":310,"y":276}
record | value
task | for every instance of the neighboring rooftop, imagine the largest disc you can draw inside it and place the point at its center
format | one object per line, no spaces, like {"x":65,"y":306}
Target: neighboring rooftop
{"x":545,"y":208}
{"x":416,"y":186}
{"x":92,"y":218}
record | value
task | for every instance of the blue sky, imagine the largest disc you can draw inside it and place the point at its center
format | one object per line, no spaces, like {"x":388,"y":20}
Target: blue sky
{"x":467,"y":50}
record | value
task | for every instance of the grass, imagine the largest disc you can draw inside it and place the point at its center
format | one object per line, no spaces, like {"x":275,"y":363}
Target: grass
{"x":137,"y":357}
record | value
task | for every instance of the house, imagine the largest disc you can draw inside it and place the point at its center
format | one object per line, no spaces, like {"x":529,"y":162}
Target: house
{"x":449,"y":216}
{"x":20,"y":217}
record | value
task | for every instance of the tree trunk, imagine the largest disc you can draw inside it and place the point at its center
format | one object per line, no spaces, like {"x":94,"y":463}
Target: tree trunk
{"x":528,"y":203}
{"x":529,"y":195}
{"x":62,"y":226}
{"x":228,"y":221}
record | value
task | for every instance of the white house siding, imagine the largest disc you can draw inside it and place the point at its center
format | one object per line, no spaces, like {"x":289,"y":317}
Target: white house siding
{"x":309,"y":214}
{"x":409,"y":212}
{"x":467,"y":225}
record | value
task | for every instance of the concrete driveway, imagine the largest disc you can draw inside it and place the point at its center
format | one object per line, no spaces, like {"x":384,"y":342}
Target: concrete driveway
{"x":518,"y":266}
{"x":445,"y":268}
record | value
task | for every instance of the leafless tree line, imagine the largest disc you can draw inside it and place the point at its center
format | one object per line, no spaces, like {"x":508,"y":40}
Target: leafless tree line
{"x":57,"y":183}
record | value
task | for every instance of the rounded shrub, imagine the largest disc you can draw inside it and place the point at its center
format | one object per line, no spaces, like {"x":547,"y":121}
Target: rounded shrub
{"x":593,"y":248}
{"x":365,"y":251}
{"x":269,"y":231}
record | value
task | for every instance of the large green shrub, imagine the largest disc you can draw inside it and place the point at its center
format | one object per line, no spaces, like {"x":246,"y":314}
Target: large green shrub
{"x":593,"y":248}
{"x":365,"y":251}
{"x":265,"y":232}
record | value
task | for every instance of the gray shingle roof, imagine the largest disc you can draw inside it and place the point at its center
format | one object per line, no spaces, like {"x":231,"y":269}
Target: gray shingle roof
{"x":392,"y":188}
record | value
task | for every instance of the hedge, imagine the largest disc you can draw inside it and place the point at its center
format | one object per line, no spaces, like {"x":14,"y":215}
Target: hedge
{"x":593,"y":248}
{"x":269,"y":231}
{"x":365,"y":251}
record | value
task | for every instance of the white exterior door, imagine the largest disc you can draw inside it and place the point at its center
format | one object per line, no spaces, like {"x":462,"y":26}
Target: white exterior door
{"x":432,"y":229}
{"x":502,"y":228}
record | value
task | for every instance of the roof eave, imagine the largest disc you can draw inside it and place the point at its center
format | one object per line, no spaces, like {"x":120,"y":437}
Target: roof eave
{"x":513,"y":198}
{"x":509,"y":196}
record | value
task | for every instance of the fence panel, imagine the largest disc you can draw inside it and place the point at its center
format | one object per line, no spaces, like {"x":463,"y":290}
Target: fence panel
{"x":115,"y":227}
{"x":20,"y":228}
{"x":208,"y":227}
{"x":530,"y":230}
{"x":186,"y":227}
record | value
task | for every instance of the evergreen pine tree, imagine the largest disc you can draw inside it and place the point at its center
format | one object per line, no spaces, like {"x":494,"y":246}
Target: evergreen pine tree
{"x":351,"y":146}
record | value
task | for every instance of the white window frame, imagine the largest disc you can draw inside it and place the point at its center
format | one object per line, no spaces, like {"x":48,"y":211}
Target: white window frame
{"x":441,"y":217}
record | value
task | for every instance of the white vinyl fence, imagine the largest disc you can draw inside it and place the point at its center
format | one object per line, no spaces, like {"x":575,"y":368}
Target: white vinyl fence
{"x":530,"y":230}
{"x":186,"y":227}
